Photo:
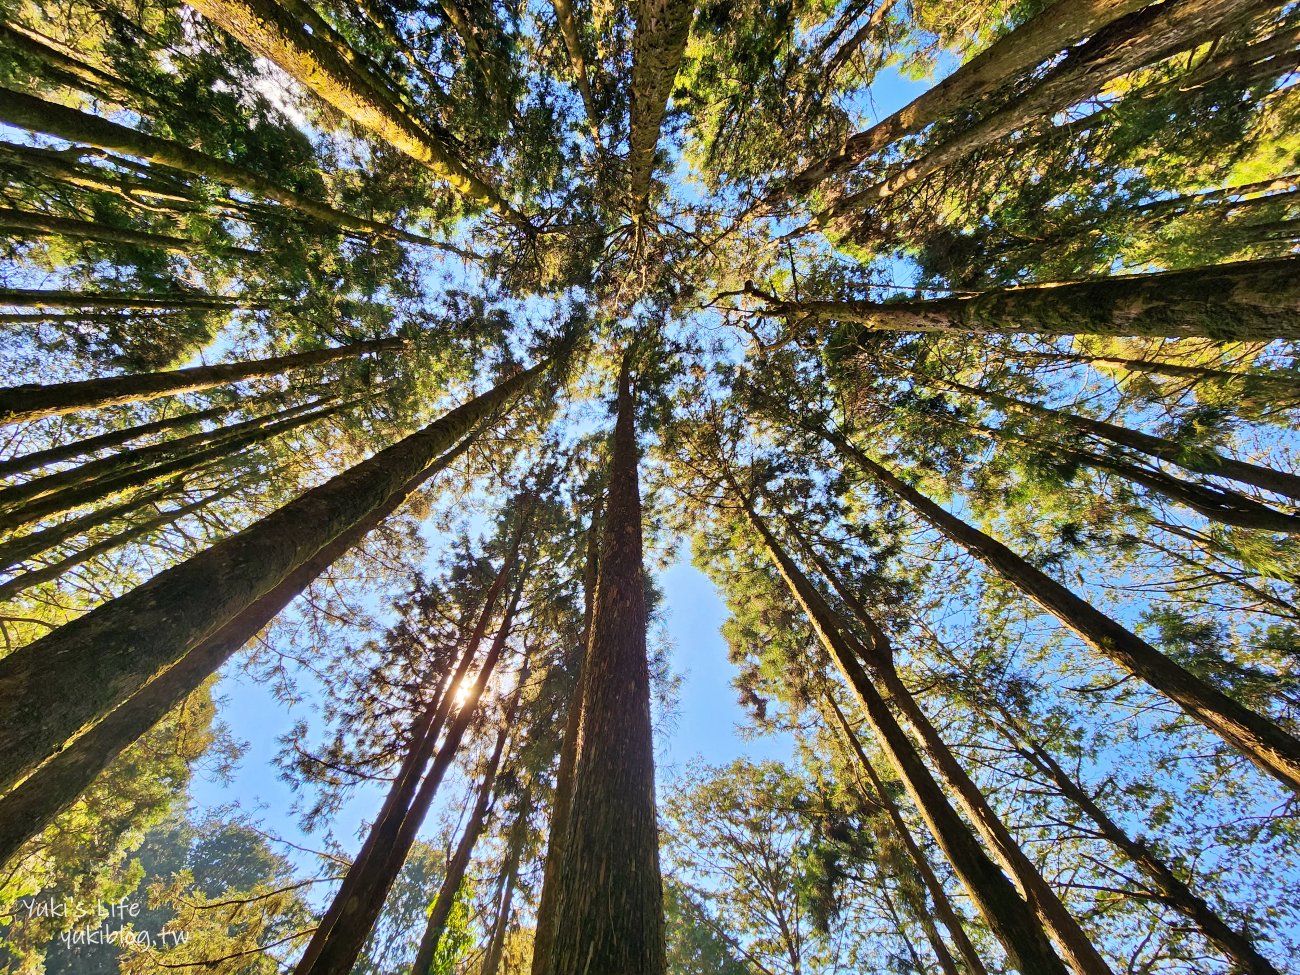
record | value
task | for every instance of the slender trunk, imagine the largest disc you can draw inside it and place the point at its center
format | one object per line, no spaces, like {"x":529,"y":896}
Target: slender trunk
{"x":1236,"y":946}
{"x":55,"y":570}
{"x":1200,"y":459}
{"x":1274,"y":750}
{"x":568,"y":25}
{"x":1289,"y":386}
{"x":269,"y":30}
{"x":61,"y":64}
{"x":38,"y":115}
{"x":115,"y":438}
{"x":237,"y":438}
{"x":65,"y":166}
{"x":938,"y":895}
{"x":34,"y":401}
{"x":1012,"y":921}
{"x":544,"y":936}
{"x":1056,"y":29}
{"x":125,"y":300}
{"x":900,"y":930}
{"x":662,"y":27}
{"x":103,"y":470}
{"x":1244,"y":301}
{"x":1222,"y":195}
{"x":451,"y":881}
{"x":44,"y":225}
{"x":27,"y":809}
{"x":860,"y":37}
{"x":24,"y":547}
{"x":111,"y":652}
{"x":608,"y":906}
{"x":341,"y":944}
{"x":1138,"y":39}
{"x":1278,"y":606}
{"x":509,"y":877}
{"x":878,"y":656}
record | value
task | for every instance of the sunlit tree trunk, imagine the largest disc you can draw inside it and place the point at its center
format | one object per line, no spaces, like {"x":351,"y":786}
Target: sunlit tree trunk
{"x":114,"y":650}
{"x":123,"y":300}
{"x":32,"y":224}
{"x":662,"y":27}
{"x":568,"y":25}
{"x":608,"y":906}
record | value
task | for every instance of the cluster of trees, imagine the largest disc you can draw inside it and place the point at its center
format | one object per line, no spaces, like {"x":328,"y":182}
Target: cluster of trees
{"x":384,"y":350}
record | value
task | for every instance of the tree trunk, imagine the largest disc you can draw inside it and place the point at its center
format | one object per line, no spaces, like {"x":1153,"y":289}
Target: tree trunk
{"x":1143,"y":37}
{"x":33,"y":804}
{"x":1012,"y":920}
{"x":608,"y":906}
{"x":38,"y":115}
{"x":268,"y":30}
{"x":544,"y":934}
{"x":509,"y":877}
{"x":1244,"y":301}
{"x":1287,"y":386}
{"x":1056,"y":29}
{"x":938,"y":895}
{"x":338,"y":946}
{"x":456,"y":868}
{"x":662,"y":27}
{"x":1199,"y":459}
{"x":125,"y":300}
{"x":878,"y":656}
{"x":1172,"y":891}
{"x":1274,"y":750}
{"x":60,"y":64}
{"x":111,"y":652}
{"x":54,"y":570}
{"x":860,"y":37}
{"x":34,"y":401}
{"x":122,"y":477}
{"x":568,"y":25}
{"x":44,"y":225}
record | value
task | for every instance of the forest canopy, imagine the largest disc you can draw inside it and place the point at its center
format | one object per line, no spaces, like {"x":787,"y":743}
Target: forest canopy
{"x":369,"y":365}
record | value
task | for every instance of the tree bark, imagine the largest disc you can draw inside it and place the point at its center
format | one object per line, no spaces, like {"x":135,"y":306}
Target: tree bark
{"x":268,"y":30}
{"x":1145,"y":36}
{"x":38,"y":799}
{"x":1199,"y":459}
{"x":662,"y":28}
{"x":38,"y":115}
{"x":34,"y":401}
{"x":938,"y":895}
{"x":114,"y":650}
{"x":608,"y":907}
{"x":1012,"y":921}
{"x":1260,"y":739}
{"x":509,"y":877}
{"x":1244,"y":301}
{"x":175,"y":301}
{"x":568,"y":25}
{"x":1056,"y":29}
{"x":1250,"y":382}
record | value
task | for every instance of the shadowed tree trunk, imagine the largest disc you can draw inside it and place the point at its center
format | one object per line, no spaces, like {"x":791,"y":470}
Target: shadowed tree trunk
{"x":608,"y":905}
{"x":1274,"y":750}
{"x":662,"y":27}
{"x":34,"y":401}
{"x":1057,"y":28}
{"x":268,"y":30}
{"x":1199,"y":459}
{"x":111,"y":652}
{"x":1012,"y":921}
{"x":33,"y":804}
{"x":509,"y":877}
{"x":938,"y":895}
{"x":80,"y":128}
{"x":1248,"y":300}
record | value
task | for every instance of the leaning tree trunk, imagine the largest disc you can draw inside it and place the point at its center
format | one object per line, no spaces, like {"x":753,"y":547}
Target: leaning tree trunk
{"x":1247,"y":300}
{"x":562,"y":801}
{"x":509,"y":877}
{"x":33,"y":805}
{"x":1012,"y":920}
{"x":44,"y":225}
{"x":1143,"y":37}
{"x":111,"y":652}
{"x":943,"y":908}
{"x":568,"y":25}
{"x":34,"y":401}
{"x":268,"y":30}
{"x":1273,"y":750}
{"x":608,"y":905}
{"x":1201,"y":460}
{"x":123,"y":300}
{"x":1056,"y":29}
{"x":1251,"y":383}
{"x":662,"y":27}
{"x":38,"y":115}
